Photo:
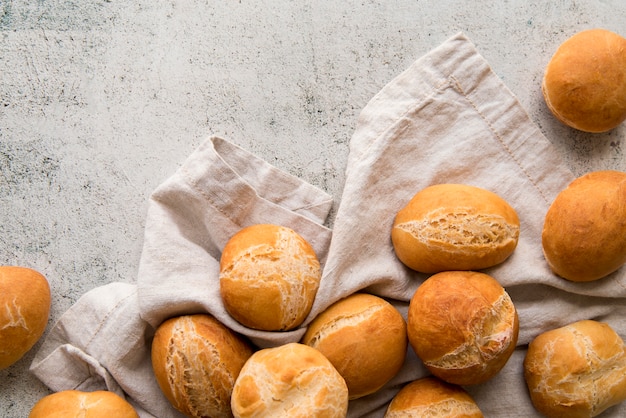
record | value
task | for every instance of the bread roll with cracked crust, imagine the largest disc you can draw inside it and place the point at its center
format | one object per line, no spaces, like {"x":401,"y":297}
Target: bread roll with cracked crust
{"x":576,"y":371}
{"x":584,"y":231}
{"x":454,"y":227}
{"x":584,"y":84}
{"x":24,"y":311}
{"x":79,"y":404}
{"x":432,"y":397}
{"x":364,"y":337}
{"x":269,"y":276}
{"x":463,"y":326}
{"x":196,"y":360}
{"x":289,"y":381}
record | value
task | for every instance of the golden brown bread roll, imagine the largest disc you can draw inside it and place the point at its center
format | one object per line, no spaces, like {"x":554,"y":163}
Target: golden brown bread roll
{"x":454,"y":227}
{"x":463,"y":326}
{"x":269,"y":276}
{"x":584,"y":84}
{"x":576,"y":371}
{"x":196,"y":360}
{"x":432,"y":397}
{"x":24,"y":311}
{"x":584,"y":232}
{"x":289,"y":381}
{"x":78,"y":404}
{"x":364,"y":337}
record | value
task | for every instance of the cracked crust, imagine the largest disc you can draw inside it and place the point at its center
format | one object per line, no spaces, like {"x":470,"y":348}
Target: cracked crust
{"x":196,"y":361}
{"x":269,"y":276}
{"x":576,"y":371}
{"x":432,"y":397}
{"x":364,"y":337}
{"x":290,"y":381}
{"x":24,"y":311}
{"x":463,"y":325}
{"x":454,"y":227}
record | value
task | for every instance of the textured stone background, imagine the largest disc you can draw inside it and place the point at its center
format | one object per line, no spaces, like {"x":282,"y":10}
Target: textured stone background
{"x":100,"y":101}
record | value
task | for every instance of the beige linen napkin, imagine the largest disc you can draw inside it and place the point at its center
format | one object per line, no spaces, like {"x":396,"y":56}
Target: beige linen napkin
{"x":446,"y":119}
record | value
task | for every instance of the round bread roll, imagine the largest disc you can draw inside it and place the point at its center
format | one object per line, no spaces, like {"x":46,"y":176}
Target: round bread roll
{"x":196,"y":361}
{"x":25,"y":302}
{"x":78,"y":404}
{"x":463,"y":326}
{"x":431,"y":397}
{"x":584,"y":232}
{"x":584,"y":84}
{"x":364,"y":337}
{"x":454,"y":227}
{"x":578,"y":370}
{"x":289,"y":381}
{"x":269,"y":276}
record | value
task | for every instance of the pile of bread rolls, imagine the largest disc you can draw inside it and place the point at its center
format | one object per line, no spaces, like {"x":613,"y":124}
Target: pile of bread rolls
{"x":461,"y":322}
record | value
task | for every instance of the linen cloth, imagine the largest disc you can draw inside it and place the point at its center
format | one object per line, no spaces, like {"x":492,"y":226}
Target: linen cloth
{"x":448,"y":118}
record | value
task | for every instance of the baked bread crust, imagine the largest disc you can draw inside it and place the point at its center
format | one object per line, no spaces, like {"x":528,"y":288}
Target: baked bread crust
{"x":364,"y":337}
{"x":432,"y":397}
{"x":24,"y":311}
{"x":196,"y":361}
{"x":584,"y":232}
{"x":463,"y":326}
{"x":79,"y":404}
{"x":576,"y":371}
{"x":269,"y":276}
{"x":289,"y":381}
{"x":584,"y":84}
{"x":454,"y":227}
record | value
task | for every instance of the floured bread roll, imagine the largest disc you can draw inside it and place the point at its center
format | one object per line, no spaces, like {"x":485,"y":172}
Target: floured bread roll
{"x":364,"y":337}
{"x":431,"y":397}
{"x":584,"y":84}
{"x":454,"y":227}
{"x":78,"y":404}
{"x":289,"y":381}
{"x":196,"y":360}
{"x":463,"y":326}
{"x":576,"y":371}
{"x":584,"y":232}
{"x":269,"y":276}
{"x":24,"y":311}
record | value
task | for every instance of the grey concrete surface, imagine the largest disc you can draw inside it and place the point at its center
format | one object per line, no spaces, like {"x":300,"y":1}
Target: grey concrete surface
{"x":100,"y":101}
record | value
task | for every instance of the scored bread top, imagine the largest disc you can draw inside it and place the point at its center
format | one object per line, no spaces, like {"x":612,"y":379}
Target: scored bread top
{"x":269,"y":276}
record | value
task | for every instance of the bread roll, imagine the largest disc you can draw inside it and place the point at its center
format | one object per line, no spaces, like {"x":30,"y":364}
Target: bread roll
{"x":289,"y":381}
{"x":584,"y":232}
{"x":576,"y":371}
{"x":431,"y":397}
{"x":364,"y":337}
{"x":196,"y":360}
{"x":454,"y":227}
{"x":584,"y":84}
{"x":24,"y":311}
{"x":78,"y":404}
{"x":269,"y":276}
{"x":463,"y":326}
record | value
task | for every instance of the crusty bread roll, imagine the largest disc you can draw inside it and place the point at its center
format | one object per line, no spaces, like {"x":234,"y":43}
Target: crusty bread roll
{"x":364,"y":337}
{"x":454,"y":227}
{"x":584,"y":84}
{"x":289,"y":381}
{"x":269,"y":276}
{"x":25,"y":302}
{"x":432,"y":397}
{"x":584,"y":231}
{"x":463,"y":326}
{"x":79,"y":404}
{"x":576,"y":371}
{"x":196,"y":360}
